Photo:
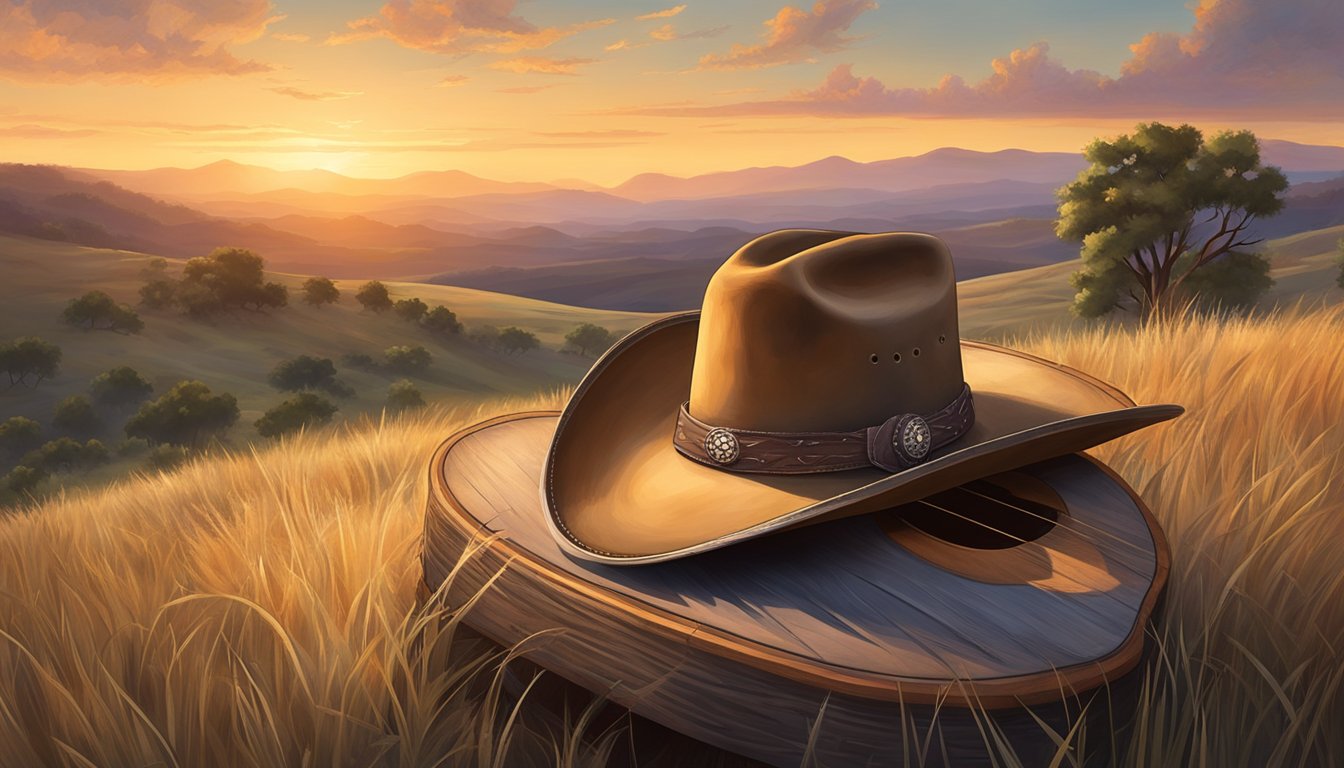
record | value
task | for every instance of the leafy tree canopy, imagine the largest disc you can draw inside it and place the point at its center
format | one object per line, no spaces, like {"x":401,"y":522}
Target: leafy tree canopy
{"x":19,"y":434}
{"x":407,"y":359}
{"x":75,"y":415}
{"x":303,"y":372}
{"x":589,"y":339}
{"x":1155,"y":207}
{"x":318,"y":291}
{"x":188,"y":414}
{"x":96,"y":310}
{"x":441,"y":320}
{"x":410,"y":310}
{"x":514,"y":340}
{"x":64,"y":454}
{"x":29,"y":359}
{"x":303,"y":410}
{"x":228,"y":278}
{"x":120,"y":387}
{"x":403,"y":395}
{"x":373,"y":296}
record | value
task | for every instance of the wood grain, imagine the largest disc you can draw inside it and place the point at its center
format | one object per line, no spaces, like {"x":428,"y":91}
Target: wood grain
{"x":839,"y":613}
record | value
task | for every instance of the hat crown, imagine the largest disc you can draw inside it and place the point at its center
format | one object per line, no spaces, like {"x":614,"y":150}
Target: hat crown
{"x":809,"y":330}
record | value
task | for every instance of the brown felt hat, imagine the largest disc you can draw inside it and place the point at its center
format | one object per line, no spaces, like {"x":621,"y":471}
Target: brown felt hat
{"x":823,"y":377}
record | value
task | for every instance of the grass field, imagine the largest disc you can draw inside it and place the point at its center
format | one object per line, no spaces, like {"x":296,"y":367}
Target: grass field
{"x":259,"y":609}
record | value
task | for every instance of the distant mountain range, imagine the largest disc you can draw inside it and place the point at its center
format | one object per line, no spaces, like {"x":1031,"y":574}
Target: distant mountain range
{"x":649,"y":243}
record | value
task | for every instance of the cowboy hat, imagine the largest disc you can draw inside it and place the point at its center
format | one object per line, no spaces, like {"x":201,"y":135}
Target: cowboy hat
{"x":823,"y":377}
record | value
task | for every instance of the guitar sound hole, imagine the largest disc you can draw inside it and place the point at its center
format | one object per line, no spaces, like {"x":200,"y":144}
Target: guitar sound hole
{"x":1007,"y":512}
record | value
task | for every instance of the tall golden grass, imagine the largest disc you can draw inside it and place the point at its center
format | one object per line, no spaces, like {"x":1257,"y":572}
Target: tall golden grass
{"x":260,"y":609}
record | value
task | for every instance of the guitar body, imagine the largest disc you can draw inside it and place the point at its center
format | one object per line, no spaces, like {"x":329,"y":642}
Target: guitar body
{"x":910,"y":634}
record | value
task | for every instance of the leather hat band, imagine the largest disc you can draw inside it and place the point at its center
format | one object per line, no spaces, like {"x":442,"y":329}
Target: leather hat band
{"x":897,"y":444}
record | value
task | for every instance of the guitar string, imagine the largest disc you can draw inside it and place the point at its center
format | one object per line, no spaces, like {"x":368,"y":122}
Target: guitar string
{"x":1081,"y":523}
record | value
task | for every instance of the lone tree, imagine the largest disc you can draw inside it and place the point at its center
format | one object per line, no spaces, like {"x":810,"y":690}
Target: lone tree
{"x":407,"y":360}
{"x":29,"y":358}
{"x":1339,"y":259}
{"x":588,"y":339}
{"x":75,"y":415}
{"x":318,"y":291}
{"x":120,"y":387}
{"x":410,"y":310}
{"x":1160,"y":206}
{"x":96,"y":310}
{"x":442,"y":321}
{"x":516,"y":341}
{"x":303,"y":410}
{"x":228,"y":278}
{"x":403,"y":395}
{"x":188,"y":414}
{"x":373,"y":296}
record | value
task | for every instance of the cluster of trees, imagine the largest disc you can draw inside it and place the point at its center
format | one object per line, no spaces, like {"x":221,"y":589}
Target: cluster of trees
{"x":227,"y":279}
{"x":96,"y":311}
{"x":511,"y":340}
{"x":439,"y":320}
{"x":1164,"y":219}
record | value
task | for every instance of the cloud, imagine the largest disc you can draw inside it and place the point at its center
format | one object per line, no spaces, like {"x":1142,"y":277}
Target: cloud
{"x":619,"y":45}
{"x":666,"y":13}
{"x":540,"y":65}
{"x":668,"y":32}
{"x":1241,"y":58}
{"x":457,"y":27}
{"x":290,"y":37}
{"x":452,"y":81}
{"x":614,"y":133}
{"x":31,"y":131}
{"x":302,"y":95}
{"x":795,"y":35}
{"x":128,"y":40}
{"x":526,"y":89}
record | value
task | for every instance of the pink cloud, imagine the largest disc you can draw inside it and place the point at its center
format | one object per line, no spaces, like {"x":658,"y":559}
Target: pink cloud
{"x":795,"y":35}
{"x":1240,"y":58}
{"x":120,"y":40}
{"x":666,"y":13}
{"x":457,"y":26}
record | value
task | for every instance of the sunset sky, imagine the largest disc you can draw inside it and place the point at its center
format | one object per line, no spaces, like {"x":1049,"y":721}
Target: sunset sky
{"x":545,"y":90}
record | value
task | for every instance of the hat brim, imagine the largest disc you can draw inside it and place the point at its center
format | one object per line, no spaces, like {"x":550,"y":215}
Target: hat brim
{"x":616,"y":491}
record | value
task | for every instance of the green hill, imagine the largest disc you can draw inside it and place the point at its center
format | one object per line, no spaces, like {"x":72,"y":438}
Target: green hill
{"x":235,"y":353}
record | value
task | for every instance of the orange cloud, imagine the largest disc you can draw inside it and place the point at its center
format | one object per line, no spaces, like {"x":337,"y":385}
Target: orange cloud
{"x":666,"y":13}
{"x":122,"y":40}
{"x":668,"y":32}
{"x":457,"y":26}
{"x":795,"y":35}
{"x":302,"y":95}
{"x":1232,"y":63}
{"x":541,"y":65}
{"x":290,"y":37}
{"x":452,"y":81}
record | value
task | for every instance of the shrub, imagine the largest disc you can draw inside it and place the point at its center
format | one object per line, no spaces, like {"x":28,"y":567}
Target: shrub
{"x":155,"y":269}
{"x":188,"y":414}
{"x":75,"y":415}
{"x":588,"y":339}
{"x":318,"y":291}
{"x":303,"y":372}
{"x":408,"y":360}
{"x":373,"y":296}
{"x":441,"y":320}
{"x":360,"y":361}
{"x":120,"y":387}
{"x":18,"y":435}
{"x":96,"y":310}
{"x":64,"y":454}
{"x":29,"y":358}
{"x":23,"y":480}
{"x":410,"y":310}
{"x":165,"y":457}
{"x":516,"y":341}
{"x":485,"y":335}
{"x":303,"y":410}
{"x":403,"y":395}
{"x":158,"y":294}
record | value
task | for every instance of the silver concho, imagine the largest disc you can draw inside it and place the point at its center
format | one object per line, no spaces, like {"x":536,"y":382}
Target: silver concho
{"x":722,"y":447}
{"x":912,"y":439}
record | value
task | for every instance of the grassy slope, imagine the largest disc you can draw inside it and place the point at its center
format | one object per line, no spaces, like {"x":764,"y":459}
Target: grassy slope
{"x":274,"y":592}
{"x":1015,"y":303}
{"x":235,"y":354}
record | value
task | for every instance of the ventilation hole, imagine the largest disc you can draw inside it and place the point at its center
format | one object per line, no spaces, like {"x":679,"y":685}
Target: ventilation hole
{"x":873,"y":359}
{"x":916,"y":351}
{"x":942,"y":339}
{"x":896,"y":358}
